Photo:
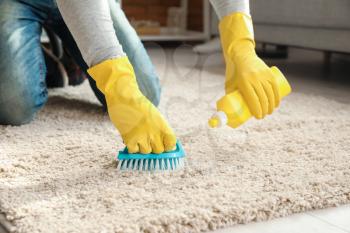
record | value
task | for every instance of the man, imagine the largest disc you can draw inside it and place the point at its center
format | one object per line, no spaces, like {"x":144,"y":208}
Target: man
{"x":121,"y":74}
{"x":22,"y":78}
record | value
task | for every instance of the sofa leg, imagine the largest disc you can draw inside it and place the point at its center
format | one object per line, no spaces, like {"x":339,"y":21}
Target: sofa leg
{"x":279,"y":51}
{"x":327,"y":63}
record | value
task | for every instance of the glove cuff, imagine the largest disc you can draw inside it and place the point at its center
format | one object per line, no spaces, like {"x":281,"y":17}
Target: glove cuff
{"x":112,"y":71}
{"x":237,"y":34}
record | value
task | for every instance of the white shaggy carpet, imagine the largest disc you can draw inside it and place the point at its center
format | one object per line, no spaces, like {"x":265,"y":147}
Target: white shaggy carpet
{"x":57,"y":174}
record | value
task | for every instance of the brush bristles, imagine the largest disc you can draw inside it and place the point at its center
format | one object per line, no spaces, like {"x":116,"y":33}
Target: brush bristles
{"x":151,"y":164}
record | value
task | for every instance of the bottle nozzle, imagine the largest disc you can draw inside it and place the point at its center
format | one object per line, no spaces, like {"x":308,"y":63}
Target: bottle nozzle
{"x":213,"y":122}
{"x":218,"y":119}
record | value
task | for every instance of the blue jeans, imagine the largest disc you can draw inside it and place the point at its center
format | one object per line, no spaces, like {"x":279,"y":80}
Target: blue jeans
{"x":22,"y":66}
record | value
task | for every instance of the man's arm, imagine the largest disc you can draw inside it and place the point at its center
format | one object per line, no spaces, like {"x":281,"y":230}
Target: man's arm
{"x":141,"y":125}
{"x":91,"y":25}
{"x":245,"y":71}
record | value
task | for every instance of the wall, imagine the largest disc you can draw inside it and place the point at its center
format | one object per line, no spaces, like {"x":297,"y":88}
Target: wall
{"x":157,"y":10}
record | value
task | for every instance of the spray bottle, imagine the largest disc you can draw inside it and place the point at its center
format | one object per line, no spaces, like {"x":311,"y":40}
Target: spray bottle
{"x":233,"y":110}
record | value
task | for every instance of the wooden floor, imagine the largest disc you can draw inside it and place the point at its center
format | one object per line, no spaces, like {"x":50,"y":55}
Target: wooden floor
{"x":334,"y":220}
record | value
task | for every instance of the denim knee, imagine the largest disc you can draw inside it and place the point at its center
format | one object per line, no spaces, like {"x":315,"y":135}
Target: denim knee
{"x":21,"y":94}
{"x":16,"y":116}
{"x":17,"y":110}
{"x":22,"y":65}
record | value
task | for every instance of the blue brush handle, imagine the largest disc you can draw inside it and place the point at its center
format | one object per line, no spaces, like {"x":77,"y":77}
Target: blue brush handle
{"x":177,"y":153}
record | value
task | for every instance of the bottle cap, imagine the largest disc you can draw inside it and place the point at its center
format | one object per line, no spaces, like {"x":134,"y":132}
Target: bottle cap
{"x":218,"y":119}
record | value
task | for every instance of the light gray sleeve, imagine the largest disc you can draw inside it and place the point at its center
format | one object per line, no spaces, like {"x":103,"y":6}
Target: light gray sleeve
{"x":91,"y":25}
{"x":227,"y":7}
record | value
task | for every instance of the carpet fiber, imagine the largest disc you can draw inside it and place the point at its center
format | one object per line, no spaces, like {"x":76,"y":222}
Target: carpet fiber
{"x":57,"y":174}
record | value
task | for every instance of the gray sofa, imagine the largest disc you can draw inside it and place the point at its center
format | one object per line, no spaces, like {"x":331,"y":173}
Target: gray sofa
{"x":315,"y":24}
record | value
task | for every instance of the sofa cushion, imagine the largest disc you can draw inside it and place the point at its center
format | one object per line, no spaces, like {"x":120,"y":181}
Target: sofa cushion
{"x":314,"y":38}
{"x":308,"y":13}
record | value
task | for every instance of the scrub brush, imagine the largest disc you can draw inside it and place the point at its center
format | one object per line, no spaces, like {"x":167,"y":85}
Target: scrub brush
{"x":171,"y":160}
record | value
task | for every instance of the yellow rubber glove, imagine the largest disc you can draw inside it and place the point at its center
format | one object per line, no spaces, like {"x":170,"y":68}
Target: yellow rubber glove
{"x":141,"y":125}
{"x":245,"y":71}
